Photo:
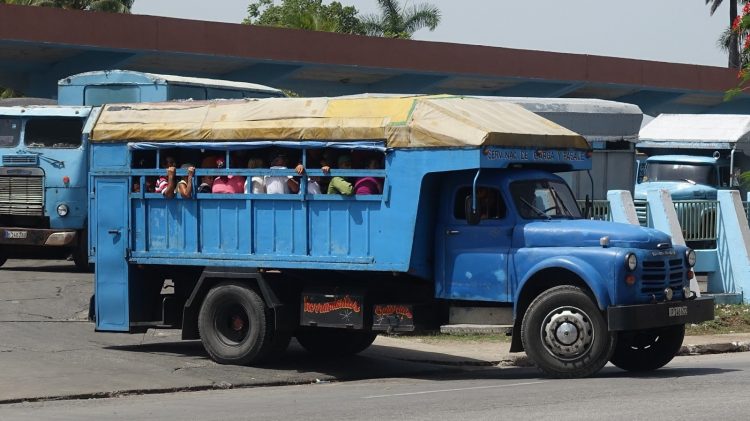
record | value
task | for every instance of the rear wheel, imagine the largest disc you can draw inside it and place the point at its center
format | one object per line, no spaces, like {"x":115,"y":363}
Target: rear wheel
{"x":335,"y":342}
{"x":647,"y":350}
{"x":565,"y":334}
{"x":236,"y":327}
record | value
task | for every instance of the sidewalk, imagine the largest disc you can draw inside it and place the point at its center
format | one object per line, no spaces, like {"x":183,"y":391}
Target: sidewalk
{"x":494,"y":353}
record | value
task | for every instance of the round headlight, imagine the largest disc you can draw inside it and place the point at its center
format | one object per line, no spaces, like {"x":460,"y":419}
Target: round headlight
{"x":631,"y":261}
{"x":62,"y":209}
{"x":690,"y":257}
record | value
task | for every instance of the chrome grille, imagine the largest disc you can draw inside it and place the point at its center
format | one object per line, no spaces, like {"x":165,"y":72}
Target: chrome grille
{"x":660,"y":274}
{"x":12,"y":160}
{"x":22,"y":195}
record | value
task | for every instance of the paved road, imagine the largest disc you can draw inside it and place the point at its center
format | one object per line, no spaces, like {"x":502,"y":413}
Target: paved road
{"x":692,"y":388}
{"x":49,"y":351}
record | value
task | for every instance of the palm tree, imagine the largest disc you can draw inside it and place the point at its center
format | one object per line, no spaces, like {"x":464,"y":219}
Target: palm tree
{"x":729,"y":41}
{"x":116,"y":6}
{"x":395,"y":21}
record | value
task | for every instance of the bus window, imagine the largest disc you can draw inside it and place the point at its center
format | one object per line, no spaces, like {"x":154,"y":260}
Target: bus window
{"x":111,"y":94}
{"x":10,"y":129}
{"x":53,"y":132}
{"x":186,"y":92}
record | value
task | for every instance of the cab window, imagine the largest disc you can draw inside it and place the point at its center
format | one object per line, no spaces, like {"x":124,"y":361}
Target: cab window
{"x":489,"y":203}
{"x":10,"y":130}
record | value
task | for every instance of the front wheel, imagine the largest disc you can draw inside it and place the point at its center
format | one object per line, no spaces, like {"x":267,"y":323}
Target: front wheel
{"x":565,"y":334}
{"x":647,"y":350}
{"x":236,"y":327}
{"x":335,"y":342}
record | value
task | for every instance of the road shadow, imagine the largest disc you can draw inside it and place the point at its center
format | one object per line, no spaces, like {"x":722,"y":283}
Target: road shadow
{"x":61,"y":267}
{"x":298,"y":366}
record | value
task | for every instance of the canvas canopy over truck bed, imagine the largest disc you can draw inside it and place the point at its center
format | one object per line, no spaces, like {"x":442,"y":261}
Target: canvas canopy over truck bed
{"x":402,"y":122}
{"x":696,"y":131}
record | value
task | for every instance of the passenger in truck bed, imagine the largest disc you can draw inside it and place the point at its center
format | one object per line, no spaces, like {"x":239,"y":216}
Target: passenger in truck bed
{"x":255,"y":184}
{"x":166,"y":185}
{"x":338,"y":184}
{"x":227,"y":184}
{"x":281,"y":184}
{"x":185,"y":185}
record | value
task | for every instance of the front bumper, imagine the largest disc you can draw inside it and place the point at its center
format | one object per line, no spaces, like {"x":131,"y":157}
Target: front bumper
{"x":37,"y":237}
{"x":667,"y":313}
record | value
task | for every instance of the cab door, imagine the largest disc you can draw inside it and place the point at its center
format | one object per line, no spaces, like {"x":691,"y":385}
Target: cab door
{"x":473,"y":259}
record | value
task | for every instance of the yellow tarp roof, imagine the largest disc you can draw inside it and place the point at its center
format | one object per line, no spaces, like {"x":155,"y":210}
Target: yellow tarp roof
{"x":402,"y":122}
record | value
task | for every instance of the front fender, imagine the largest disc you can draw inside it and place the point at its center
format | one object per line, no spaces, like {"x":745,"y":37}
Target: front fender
{"x":585,"y":271}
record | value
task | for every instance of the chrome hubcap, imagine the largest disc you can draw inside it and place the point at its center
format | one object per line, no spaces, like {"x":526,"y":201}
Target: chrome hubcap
{"x":567,"y":333}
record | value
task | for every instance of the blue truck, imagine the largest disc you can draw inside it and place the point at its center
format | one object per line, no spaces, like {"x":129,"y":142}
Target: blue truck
{"x":692,"y":156}
{"x":469,"y":215}
{"x":44,"y":166}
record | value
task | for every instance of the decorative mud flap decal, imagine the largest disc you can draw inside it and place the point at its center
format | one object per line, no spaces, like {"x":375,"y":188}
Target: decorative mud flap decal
{"x":393,"y":318}
{"x":332,"y":310}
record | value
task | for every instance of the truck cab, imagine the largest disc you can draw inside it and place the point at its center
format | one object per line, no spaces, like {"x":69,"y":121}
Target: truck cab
{"x":686,"y":177}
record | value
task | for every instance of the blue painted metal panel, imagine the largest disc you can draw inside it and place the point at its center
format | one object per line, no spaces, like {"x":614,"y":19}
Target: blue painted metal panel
{"x":111,"y":267}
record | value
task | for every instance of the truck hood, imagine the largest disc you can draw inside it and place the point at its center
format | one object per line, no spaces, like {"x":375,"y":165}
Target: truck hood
{"x":587,"y":233}
{"x":679,"y":190}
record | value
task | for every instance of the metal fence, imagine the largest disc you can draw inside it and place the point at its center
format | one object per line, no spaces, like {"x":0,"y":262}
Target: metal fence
{"x":600,"y":209}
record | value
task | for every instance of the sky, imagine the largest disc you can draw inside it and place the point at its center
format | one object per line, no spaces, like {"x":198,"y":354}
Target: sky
{"x":678,"y":31}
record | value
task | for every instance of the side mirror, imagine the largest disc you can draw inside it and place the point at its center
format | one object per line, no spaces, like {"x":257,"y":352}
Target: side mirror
{"x":472,"y":216}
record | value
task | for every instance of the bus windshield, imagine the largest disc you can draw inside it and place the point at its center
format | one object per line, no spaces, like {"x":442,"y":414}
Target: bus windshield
{"x":54,"y":132}
{"x":672,"y":171}
{"x":10,"y":130}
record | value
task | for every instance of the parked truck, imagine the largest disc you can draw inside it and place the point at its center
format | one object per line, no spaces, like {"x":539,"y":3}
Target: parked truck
{"x":470,"y":216}
{"x":44,"y":166}
{"x":692,"y":156}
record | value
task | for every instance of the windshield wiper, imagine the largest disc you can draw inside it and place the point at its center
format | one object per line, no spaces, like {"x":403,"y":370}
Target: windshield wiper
{"x":535,"y":209}
{"x":560,"y":202}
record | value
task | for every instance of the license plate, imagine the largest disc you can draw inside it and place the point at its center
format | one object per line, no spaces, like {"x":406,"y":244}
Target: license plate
{"x":678,"y":311}
{"x":15,"y":234}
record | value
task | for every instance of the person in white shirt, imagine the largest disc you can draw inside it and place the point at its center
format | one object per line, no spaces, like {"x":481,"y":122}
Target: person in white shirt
{"x":281,"y":184}
{"x":255,"y":184}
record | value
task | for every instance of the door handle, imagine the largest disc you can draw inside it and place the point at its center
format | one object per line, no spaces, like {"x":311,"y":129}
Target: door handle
{"x":452,"y":232}
{"x":114,"y":232}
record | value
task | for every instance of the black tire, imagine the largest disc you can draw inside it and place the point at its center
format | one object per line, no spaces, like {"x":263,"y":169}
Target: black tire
{"x":92,"y":309}
{"x":565,"y":334}
{"x":81,"y":254}
{"x":647,"y":350}
{"x":335,"y":342}
{"x":236,"y":327}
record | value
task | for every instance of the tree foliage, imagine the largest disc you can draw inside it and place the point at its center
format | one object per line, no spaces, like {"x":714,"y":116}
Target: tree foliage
{"x":729,"y":41}
{"x":117,"y":6}
{"x":396,"y":21}
{"x":305,"y":14}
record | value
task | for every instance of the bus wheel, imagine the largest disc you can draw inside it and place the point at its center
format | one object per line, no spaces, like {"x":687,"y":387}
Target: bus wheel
{"x":565,"y":334}
{"x":647,"y":350}
{"x":236,"y":327}
{"x":335,"y":342}
{"x":81,"y":255}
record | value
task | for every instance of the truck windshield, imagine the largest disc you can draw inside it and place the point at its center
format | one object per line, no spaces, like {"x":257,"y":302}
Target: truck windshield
{"x":544,"y":199}
{"x":53,"y":132}
{"x":10,"y":129}
{"x":672,"y":171}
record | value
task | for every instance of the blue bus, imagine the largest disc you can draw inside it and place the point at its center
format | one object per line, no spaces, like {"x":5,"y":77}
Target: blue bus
{"x":44,"y":155}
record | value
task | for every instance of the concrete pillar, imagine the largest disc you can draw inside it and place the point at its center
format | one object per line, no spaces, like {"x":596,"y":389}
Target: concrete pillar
{"x":733,"y":246}
{"x":621,"y":207}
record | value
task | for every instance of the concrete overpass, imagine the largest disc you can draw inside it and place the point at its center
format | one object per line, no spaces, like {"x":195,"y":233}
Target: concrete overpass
{"x":38,"y":46}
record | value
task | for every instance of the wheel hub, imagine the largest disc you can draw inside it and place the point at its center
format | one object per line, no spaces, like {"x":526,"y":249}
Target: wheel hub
{"x":237,"y":323}
{"x":567,"y":333}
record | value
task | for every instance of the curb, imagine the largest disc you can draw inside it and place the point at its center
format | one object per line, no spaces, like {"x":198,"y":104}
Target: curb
{"x":717,"y":348}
